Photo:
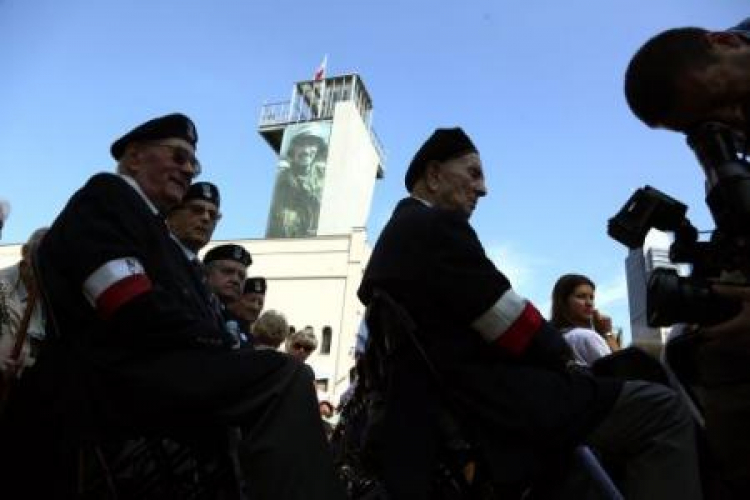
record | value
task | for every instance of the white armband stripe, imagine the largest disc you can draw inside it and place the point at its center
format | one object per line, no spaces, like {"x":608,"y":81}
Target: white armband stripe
{"x":496,"y":320}
{"x":109,"y":274}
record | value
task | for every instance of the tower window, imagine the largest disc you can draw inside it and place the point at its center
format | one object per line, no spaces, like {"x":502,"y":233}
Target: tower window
{"x":325,"y":343}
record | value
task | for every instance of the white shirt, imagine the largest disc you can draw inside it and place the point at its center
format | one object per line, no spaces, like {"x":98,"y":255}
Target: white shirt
{"x":586,"y":344}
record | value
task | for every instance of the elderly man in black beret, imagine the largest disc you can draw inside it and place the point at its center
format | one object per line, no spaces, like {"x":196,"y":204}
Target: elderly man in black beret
{"x":506,"y":366}
{"x":194,"y":220}
{"x":250,"y":304}
{"x":226,"y":269}
{"x":138,"y":348}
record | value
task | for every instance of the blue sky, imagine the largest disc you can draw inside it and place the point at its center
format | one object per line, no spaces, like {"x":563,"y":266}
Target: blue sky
{"x":536,"y":83}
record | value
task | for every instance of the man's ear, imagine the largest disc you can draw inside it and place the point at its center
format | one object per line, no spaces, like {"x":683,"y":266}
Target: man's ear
{"x":432,"y":175}
{"x":132,"y":156}
{"x":725,"y":39}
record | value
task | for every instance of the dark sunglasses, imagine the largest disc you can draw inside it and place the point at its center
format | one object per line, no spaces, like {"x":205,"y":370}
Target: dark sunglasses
{"x":303,"y":347}
{"x":181,"y":156}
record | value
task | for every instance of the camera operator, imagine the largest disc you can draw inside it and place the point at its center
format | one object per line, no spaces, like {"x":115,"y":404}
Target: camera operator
{"x":679,"y":80}
{"x":686,"y":76}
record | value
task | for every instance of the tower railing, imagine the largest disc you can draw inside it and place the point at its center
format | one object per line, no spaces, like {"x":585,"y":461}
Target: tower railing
{"x":277,"y":114}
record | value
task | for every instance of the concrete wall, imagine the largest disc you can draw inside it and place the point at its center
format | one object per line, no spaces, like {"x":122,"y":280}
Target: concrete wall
{"x":350,"y":173}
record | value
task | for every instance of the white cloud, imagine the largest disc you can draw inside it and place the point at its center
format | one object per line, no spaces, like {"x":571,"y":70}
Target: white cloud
{"x":515,"y":266}
{"x":612,"y":291}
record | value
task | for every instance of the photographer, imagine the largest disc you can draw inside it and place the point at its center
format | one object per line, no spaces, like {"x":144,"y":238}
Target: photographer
{"x":683,"y":79}
{"x":686,"y":76}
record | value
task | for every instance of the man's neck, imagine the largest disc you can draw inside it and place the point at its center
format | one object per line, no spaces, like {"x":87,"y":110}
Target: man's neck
{"x":419,"y":198}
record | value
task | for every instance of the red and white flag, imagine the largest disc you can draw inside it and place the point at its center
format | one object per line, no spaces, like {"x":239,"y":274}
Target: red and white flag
{"x":320,"y":73}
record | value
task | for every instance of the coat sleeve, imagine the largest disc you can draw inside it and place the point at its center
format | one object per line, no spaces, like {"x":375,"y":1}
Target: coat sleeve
{"x":480,"y":295}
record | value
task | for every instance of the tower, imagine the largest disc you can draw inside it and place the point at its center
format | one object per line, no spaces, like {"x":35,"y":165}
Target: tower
{"x":328,"y":158}
{"x":315,"y":249}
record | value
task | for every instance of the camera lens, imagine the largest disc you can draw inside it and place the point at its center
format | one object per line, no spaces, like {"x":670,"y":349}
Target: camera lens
{"x":674,"y":299}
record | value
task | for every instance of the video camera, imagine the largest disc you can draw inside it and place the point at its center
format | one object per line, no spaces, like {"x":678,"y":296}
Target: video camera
{"x":671,"y":298}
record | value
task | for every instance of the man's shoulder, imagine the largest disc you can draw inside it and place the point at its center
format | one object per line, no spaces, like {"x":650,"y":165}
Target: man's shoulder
{"x":110,"y":190}
{"x":413,"y":209}
{"x":105,"y":180}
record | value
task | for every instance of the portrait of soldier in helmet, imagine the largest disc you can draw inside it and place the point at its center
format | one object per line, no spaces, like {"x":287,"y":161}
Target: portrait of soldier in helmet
{"x":299,"y":183}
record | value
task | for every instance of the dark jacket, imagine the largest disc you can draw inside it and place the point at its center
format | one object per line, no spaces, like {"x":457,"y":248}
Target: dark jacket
{"x":522,"y":407}
{"x":160,"y":359}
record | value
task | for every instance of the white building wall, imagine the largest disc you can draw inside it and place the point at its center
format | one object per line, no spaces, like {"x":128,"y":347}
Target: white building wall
{"x":9,"y":255}
{"x":351,"y":172}
{"x":314,"y":281}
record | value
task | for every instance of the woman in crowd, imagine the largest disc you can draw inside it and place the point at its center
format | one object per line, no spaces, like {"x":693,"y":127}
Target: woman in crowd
{"x":588,"y":332}
{"x":302,"y":343}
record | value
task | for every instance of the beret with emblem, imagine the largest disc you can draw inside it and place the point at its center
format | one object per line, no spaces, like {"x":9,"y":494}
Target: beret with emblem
{"x":255,"y":284}
{"x":203,"y":191}
{"x":173,"y":126}
{"x":444,"y":144}
{"x":229,"y":252}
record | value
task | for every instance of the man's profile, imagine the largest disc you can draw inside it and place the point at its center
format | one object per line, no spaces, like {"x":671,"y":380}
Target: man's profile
{"x":686,"y":76}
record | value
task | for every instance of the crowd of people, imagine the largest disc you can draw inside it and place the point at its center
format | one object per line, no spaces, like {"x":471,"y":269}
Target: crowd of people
{"x":112,"y":323}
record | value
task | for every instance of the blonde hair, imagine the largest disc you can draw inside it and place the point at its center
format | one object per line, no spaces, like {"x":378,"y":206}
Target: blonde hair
{"x":270,"y":328}
{"x":304,"y":336}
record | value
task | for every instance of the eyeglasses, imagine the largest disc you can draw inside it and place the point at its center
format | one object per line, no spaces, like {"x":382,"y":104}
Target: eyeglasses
{"x":181,"y":156}
{"x":199,"y":210}
{"x":303,"y":347}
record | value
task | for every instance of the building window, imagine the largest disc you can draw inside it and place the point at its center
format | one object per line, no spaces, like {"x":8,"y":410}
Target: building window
{"x":321,"y":385}
{"x":325,"y":343}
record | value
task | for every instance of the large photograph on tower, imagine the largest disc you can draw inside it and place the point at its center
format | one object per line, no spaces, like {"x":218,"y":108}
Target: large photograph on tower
{"x":295,"y":205}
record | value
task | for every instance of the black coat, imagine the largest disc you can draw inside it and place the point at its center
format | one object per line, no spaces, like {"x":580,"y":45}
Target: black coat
{"x":149,"y":356}
{"x":160,"y":359}
{"x":522,"y":408}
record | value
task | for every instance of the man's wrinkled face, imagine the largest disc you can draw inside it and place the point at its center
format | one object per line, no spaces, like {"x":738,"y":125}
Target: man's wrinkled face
{"x":225,"y":278}
{"x":248,"y":306}
{"x":163,"y":170}
{"x":458,"y":183}
{"x":194,"y":222}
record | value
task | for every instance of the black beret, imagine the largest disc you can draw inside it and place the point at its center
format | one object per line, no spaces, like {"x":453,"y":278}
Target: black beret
{"x":255,"y":285}
{"x":175,"y":125}
{"x":442,"y":145}
{"x":203,"y":191}
{"x":229,"y":252}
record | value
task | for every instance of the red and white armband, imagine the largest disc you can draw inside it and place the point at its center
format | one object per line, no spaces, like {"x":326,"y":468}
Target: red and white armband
{"x":115,"y":283}
{"x":510,"y":323}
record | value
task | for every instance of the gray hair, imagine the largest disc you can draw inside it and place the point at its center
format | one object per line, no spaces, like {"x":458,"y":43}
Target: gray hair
{"x":270,"y":328}
{"x":304,"y":336}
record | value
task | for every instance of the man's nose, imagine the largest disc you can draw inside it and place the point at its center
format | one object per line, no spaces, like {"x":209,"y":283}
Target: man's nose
{"x":189,"y":169}
{"x":481,"y":188}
